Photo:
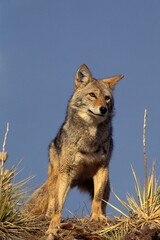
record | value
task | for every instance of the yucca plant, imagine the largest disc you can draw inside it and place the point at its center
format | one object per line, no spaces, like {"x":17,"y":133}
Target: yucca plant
{"x":12,"y":221}
{"x":144,"y":209}
{"x":14,"y":224}
{"x":148,"y":205}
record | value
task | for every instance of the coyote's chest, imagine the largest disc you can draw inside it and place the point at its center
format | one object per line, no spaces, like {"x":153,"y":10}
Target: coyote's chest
{"x":88,"y":160}
{"x":91,"y":148}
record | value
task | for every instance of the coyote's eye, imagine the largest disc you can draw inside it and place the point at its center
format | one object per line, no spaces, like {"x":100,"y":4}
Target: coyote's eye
{"x":92,"y":95}
{"x":107,"y":98}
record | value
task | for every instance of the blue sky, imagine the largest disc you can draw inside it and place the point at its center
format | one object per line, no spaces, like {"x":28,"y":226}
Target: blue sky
{"x":42,"y":43}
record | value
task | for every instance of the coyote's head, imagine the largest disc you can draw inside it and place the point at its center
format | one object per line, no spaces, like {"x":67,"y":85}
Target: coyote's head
{"x":93,"y":99}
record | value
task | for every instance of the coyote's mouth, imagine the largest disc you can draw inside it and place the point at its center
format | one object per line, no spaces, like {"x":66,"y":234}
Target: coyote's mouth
{"x":96,"y":114}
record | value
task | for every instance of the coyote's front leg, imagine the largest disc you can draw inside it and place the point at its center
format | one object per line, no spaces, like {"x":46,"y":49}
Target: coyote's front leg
{"x":52,"y":182}
{"x":101,"y":192}
{"x":61,"y":189}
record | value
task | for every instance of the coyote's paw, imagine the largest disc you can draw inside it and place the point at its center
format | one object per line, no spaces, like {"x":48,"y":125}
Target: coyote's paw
{"x":98,"y":218}
{"x":53,"y":226}
{"x":51,"y":234}
{"x":52,"y":231}
{"x":50,"y":237}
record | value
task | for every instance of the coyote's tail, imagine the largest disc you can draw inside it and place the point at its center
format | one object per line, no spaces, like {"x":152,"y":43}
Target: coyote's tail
{"x":37,"y":204}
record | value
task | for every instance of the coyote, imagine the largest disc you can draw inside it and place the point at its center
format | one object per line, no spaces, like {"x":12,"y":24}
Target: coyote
{"x":80,"y":153}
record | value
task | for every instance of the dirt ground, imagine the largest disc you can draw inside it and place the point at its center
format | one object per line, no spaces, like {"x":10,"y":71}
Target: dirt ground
{"x":83,"y":229}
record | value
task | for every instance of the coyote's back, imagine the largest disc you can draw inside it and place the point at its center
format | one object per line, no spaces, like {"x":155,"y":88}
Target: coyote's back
{"x":80,"y":153}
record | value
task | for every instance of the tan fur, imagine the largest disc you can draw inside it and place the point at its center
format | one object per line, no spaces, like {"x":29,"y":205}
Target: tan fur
{"x":80,"y":153}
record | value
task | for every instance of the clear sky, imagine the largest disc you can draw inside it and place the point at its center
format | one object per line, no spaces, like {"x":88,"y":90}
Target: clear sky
{"x":42,"y":43}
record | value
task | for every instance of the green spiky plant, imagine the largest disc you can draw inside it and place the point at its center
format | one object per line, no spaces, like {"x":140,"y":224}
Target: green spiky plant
{"x":143,"y":210}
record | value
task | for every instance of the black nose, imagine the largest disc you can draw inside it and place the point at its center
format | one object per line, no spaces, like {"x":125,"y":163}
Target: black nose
{"x":103,"y":110}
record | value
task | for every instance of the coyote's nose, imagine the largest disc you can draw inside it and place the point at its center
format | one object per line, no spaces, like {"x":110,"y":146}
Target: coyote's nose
{"x":103,"y":110}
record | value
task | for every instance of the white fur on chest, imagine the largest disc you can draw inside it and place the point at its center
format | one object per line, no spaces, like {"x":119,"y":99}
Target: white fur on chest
{"x":92,"y":131}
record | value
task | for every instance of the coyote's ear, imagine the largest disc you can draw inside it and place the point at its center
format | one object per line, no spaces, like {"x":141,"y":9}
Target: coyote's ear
{"x":112,"y":81}
{"x":83,"y":76}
